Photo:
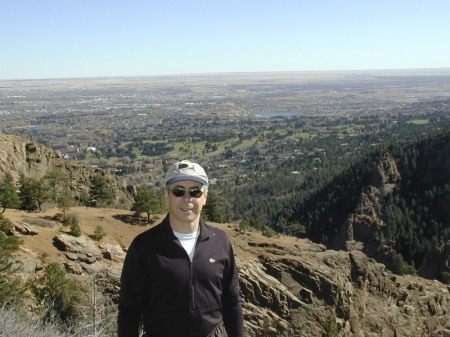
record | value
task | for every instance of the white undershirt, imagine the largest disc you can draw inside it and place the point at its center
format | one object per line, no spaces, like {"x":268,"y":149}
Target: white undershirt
{"x":188,"y":241}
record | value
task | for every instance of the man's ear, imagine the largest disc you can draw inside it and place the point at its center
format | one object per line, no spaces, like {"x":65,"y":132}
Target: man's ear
{"x":206,"y":196}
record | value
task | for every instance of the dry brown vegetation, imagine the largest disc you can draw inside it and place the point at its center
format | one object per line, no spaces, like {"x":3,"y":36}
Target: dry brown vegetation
{"x":88,"y":218}
{"x":246,"y":244}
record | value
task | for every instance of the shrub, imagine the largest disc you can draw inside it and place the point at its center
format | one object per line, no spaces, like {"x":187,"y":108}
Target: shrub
{"x":99,"y":233}
{"x":445,"y":277}
{"x":57,"y":292}
{"x":268,"y":232}
{"x":5,"y":224}
{"x":331,"y":329}
{"x":243,"y":225}
{"x":69,"y":220}
{"x":11,"y":288}
{"x":400,"y":267}
{"x":17,"y":321}
{"x":75,"y":229}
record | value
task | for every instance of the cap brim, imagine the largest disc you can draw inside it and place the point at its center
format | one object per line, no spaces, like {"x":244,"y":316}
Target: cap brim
{"x":182,"y":178}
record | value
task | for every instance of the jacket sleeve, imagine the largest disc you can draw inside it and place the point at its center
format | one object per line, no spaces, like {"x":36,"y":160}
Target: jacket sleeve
{"x":231,"y":300}
{"x":132,"y":295}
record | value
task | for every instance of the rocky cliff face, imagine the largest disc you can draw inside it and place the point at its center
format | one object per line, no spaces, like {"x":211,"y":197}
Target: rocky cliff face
{"x":298,"y":288}
{"x":290,"y":287}
{"x":365,"y":223}
{"x":20,"y":156}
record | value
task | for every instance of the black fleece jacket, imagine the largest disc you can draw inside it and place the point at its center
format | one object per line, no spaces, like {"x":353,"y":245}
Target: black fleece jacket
{"x":173,"y":296}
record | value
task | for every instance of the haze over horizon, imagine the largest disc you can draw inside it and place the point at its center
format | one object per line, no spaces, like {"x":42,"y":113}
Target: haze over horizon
{"x":60,"y":39}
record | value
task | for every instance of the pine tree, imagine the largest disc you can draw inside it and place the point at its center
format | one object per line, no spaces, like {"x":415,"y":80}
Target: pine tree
{"x":11,"y":288}
{"x":211,"y":210}
{"x":228,"y":212}
{"x":28,"y":192}
{"x":9,"y":198}
{"x":64,"y":202}
{"x":57,"y":184}
{"x":244,"y":225}
{"x":42,"y":192}
{"x":33,"y":193}
{"x":101,"y":193}
{"x":146,"y":201}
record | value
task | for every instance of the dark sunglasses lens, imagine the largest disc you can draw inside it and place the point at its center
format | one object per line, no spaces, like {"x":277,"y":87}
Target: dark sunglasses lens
{"x":178,"y":191}
{"x":195,"y":193}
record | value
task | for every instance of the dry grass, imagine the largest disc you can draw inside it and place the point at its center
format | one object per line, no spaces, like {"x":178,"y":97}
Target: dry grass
{"x":120,"y":228}
{"x":113,"y":221}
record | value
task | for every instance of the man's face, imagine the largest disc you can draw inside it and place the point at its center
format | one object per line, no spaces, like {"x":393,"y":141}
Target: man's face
{"x":184,"y":205}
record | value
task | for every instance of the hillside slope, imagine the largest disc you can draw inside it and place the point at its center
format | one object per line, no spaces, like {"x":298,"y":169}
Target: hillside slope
{"x":392,"y":201}
{"x":20,"y":156}
{"x":289,"y":286}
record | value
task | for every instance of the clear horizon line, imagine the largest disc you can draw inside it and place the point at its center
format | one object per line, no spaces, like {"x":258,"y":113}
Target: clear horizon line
{"x":206,"y":74}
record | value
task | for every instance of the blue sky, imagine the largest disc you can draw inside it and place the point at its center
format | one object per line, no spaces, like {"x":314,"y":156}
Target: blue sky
{"x":91,"y":38}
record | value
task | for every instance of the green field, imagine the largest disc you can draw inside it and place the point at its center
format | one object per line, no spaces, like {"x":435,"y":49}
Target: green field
{"x":419,"y":121}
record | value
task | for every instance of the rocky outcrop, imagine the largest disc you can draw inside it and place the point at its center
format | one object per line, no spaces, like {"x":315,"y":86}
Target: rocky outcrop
{"x":19,"y":156}
{"x":386,"y":173}
{"x":79,"y":248}
{"x":300,"y":292}
{"x":112,"y":252}
{"x":290,"y":287}
{"x":364,"y":225}
{"x":24,"y":229}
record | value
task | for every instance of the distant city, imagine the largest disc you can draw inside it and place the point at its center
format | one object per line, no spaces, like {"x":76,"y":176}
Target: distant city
{"x":136,"y":124}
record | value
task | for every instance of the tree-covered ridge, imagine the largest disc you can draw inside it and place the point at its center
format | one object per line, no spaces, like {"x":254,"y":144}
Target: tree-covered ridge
{"x":416,"y":212}
{"x":318,"y":203}
{"x":414,"y":206}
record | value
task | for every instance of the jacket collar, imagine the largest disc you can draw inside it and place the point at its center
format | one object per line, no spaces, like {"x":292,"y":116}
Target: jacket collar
{"x":205,"y":230}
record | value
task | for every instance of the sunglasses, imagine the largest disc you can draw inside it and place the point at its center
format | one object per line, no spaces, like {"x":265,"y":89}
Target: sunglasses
{"x":194,"y":192}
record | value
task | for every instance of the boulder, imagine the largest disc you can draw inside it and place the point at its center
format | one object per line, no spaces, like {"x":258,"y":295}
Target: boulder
{"x":112,"y":252}
{"x":86,"y":249}
{"x":25,"y":229}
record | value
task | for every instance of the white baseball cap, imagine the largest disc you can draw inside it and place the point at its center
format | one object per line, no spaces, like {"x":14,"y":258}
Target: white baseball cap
{"x":185,"y":170}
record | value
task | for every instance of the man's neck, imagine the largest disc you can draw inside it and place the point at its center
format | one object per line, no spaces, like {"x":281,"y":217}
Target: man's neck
{"x":184,"y":227}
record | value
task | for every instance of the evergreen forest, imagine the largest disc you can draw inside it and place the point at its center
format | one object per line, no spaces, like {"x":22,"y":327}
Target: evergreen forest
{"x":414,"y":209}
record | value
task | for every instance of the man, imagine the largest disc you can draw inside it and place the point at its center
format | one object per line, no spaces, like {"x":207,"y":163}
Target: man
{"x":180,"y":278}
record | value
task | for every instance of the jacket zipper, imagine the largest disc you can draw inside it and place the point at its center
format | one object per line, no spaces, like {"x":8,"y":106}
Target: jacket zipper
{"x":191,"y":277}
{"x":192,"y":305}
{"x":191,"y":286}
